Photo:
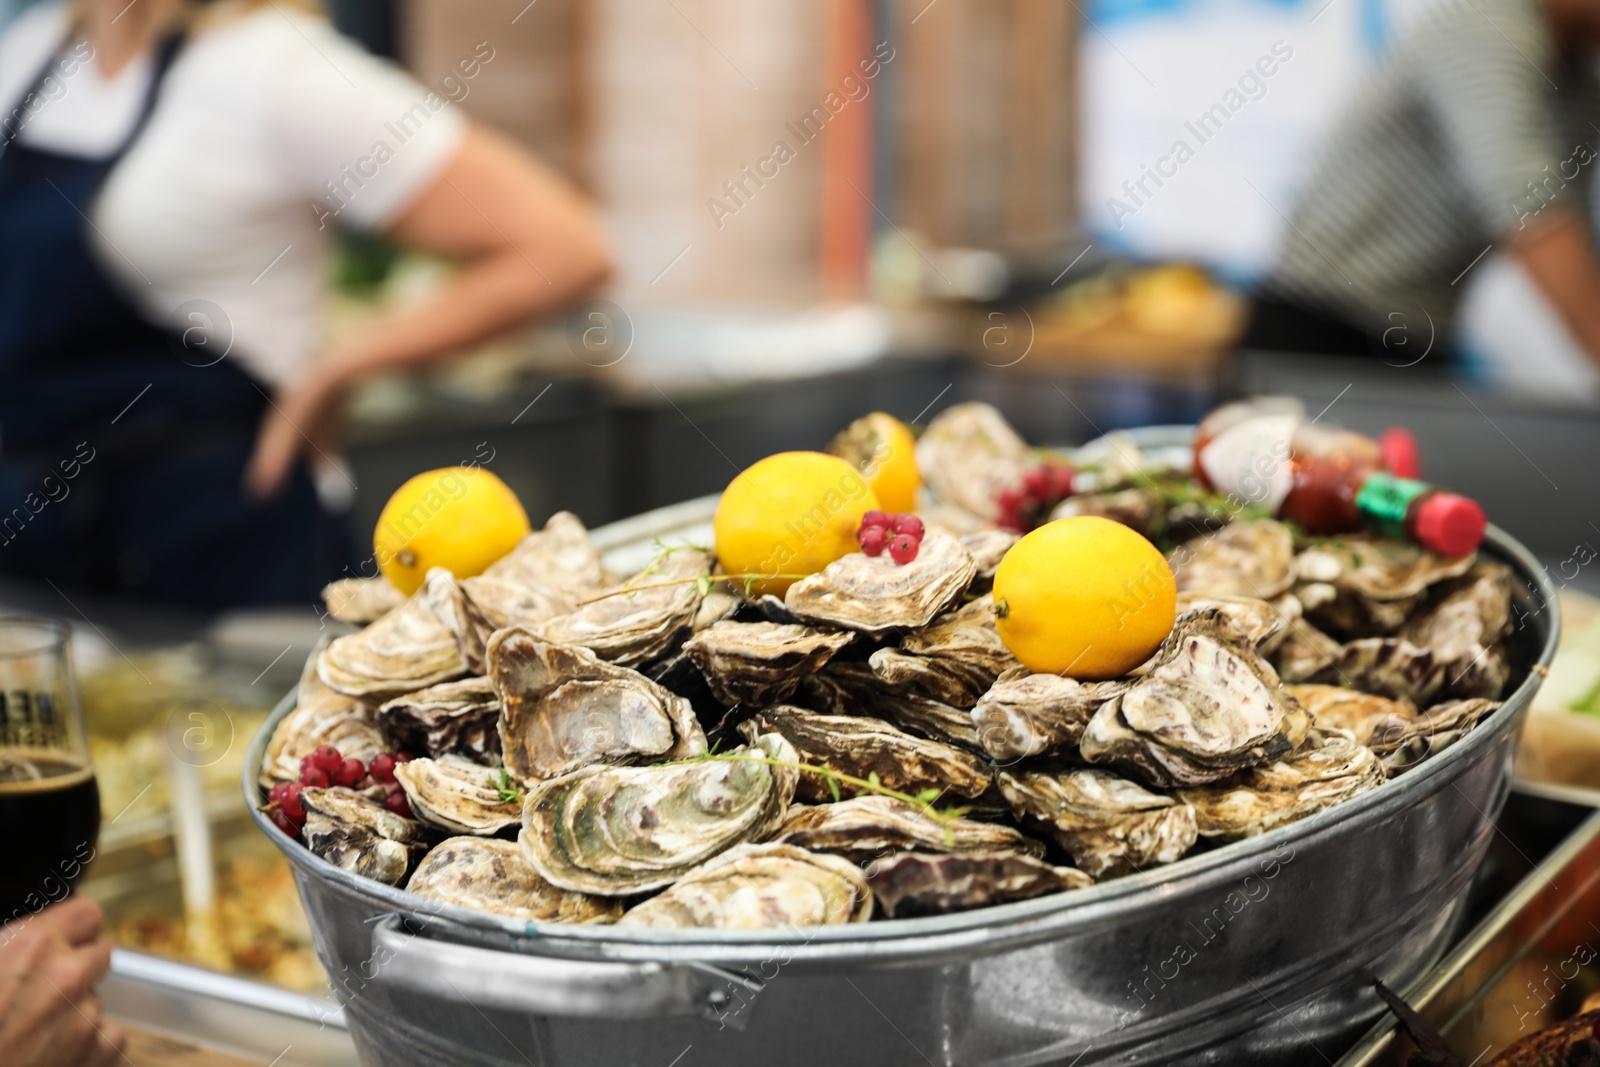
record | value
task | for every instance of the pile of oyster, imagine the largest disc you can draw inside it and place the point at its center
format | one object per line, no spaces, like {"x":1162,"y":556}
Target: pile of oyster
{"x":661,"y":750}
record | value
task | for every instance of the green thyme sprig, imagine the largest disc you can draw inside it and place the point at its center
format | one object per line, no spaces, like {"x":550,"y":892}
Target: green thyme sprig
{"x":505,"y":787}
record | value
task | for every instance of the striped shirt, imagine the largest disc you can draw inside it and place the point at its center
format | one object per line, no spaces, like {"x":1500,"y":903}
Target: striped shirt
{"x":1471,"y":132}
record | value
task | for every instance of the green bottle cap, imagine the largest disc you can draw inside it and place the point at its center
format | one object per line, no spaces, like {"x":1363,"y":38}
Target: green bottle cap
{"x":1384,"y":501}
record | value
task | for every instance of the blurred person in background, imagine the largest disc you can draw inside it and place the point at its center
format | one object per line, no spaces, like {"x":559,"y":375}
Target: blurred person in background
{"x":1475,"y":133}
{"x":171,"y":175}
{"x":50,"y":963}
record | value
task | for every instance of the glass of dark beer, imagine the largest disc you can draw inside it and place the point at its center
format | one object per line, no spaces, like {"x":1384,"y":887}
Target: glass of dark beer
{"x":49,"y":802}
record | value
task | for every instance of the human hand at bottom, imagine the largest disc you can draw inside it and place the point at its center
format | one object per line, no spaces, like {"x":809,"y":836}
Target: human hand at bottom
{"x":49,"y":1012}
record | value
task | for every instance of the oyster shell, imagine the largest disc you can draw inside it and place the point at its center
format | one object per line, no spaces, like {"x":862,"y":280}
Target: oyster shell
{"x":865,"y":829}
{"x":1305,"y":650}
{"x":644,"y":623}
{"x":1332,"y":768}
{"x":442,"y":595}
{"x":760,"y":887}
{"x":560,"y":556}
{"x":563,"y":708}
{"x":876,"y":595}
{"x":361,"y":600}
{"x":843,"y":687}
{"x":406,"y":650}
{"x":1110,"y":825}
{"x":846,"y":687}
{"x":1388,"y":666}
{"x":1402,"y":742}
{"x":488,"y":874}
{"x":1251,"y":559}
{"x":760,"y":663}
{"x":327,"y":718}
{"x":456,"y":795}
{"x":1208,"y":706}
{"x":505,"y":602}
{"x":1027,"y":714}
{"x":862,"y":746}
{"x":460,"y":718}
{"x":618,"y":831}
{"x":968,"y":454}
{"x":1351,"y":710}
{"x":953,"y":660}
{"x":1132,"y":507}
{"x":1463,"y":628}
{"x":915,"y":883}
{"x":987,"y":548}
{"x":361,"y":837}
{"x":1364,"y":585}
{"x":1260,"y":622}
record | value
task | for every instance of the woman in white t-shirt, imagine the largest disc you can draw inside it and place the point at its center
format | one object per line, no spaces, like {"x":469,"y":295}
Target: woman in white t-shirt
{"x":171,"y":174}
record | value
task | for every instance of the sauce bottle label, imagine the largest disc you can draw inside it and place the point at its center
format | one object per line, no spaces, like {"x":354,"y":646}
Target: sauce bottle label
{"x":1250,"y":460}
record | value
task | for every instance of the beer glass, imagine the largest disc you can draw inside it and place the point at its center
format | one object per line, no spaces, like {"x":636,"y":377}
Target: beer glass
{"x":49,"y":801}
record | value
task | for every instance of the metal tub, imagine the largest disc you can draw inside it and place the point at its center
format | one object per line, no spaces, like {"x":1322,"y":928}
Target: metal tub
{"x":1259,"y":952}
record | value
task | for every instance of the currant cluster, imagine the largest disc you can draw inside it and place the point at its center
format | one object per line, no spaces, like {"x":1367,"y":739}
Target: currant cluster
{"x":1028,"y":505}
{"x":328,"y":767}
{"x":900,"y":534}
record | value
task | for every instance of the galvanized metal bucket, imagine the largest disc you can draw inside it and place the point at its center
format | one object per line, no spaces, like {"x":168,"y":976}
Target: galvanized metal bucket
{"x":1259,"y":952}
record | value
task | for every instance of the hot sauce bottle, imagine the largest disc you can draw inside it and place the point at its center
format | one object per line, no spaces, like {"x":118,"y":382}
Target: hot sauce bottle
{"x":1328,"y":481}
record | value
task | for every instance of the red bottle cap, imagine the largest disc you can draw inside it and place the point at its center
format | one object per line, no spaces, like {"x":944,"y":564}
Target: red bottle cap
{"x":1450,"y":524}
{"x":1401,"y":456}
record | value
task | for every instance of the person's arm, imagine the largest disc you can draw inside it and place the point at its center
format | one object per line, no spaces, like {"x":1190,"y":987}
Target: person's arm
{"x":1560,"y":258}
{"x":49,"y":966}
{"x":529,"y":244}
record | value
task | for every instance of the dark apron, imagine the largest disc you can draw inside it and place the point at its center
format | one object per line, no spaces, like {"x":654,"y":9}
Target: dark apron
{"x":122,"y":450}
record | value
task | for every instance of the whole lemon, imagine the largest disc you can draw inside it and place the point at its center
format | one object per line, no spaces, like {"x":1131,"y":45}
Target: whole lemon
{"x":1085,"y":597}
{"x":458,"y":518}
{"x":883,"y":450}
{"x":792,"y":513}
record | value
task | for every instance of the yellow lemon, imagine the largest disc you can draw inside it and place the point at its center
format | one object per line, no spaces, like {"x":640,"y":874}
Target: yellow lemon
{"x":458,"y":518}
{"x":1085,"y":597}
{"x":883,"y":450}
{"x":792,"y":513}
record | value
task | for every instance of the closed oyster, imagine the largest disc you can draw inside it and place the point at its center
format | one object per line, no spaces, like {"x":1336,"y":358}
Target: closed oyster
{"x":563,"y":708}
{"x":1388,"y":666}
{"x":618,"y":831}
{"x":953,"y":660}
{"x":1026,"y":714}
{"x":1133,"y":507}
{"x":560,"y":556}
{"x":876,"y":595}
{"x":1462,"y":630}
{"x":460,"y":718}
{"x":1402,"y":742}
{"x":862,"y":746}
{"x":987,"y":548}
{"x":760,"y":663}
{"x":457,"y":795}
{"x":505,"y":602}
{"x":1334,"y":706}
{"x":1305,"y":650}
{"x":488,"y":874}
{"x":642,"y":619}
{"x":849,"y":687}
{"x":406,"y":650}
{"x":868,"y":828}
{"x":361,"y":837}
{"x":760,"y":887}
{"x":327,"y":718}
{"x":361,"y":600}
{"x":1208,"y":706}
{"x":1109,"y":825}
{"x":1365,"y":585}
{"x":1330,"y":768}
{"x":916,"y":883}
{"x":968,"y":454}
{"x":843,"y":687}
{"x":1260,"y":622}
{"x":442,"y":595}
{"x":1252,"y":559}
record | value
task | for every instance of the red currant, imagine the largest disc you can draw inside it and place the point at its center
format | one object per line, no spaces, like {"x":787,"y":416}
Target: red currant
{"x":872,"y":540}
{"x":909,"y":525}
{"x":327,"y":758}
{"x":350,"y":772}
{"x":1036,"y":483}
{"x":382,"y":767}
{"x":290,"y":803}
{"x":315,"y":777}
{"x":396,"y":802}
{"x":403,"y":757}
{"x":903,"y":548}
{"x":275,"y":794}
{"x":875,"y":518}
{"x":284,"y":823}
{"x":1061,"y":477}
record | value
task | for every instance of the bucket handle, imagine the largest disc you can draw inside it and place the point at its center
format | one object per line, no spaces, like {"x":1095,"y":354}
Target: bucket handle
{"x":549,"y":985}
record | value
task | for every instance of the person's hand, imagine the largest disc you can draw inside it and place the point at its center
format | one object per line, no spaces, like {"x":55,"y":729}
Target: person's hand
{"x":302,"y":420}
{"x":49,"y":966}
